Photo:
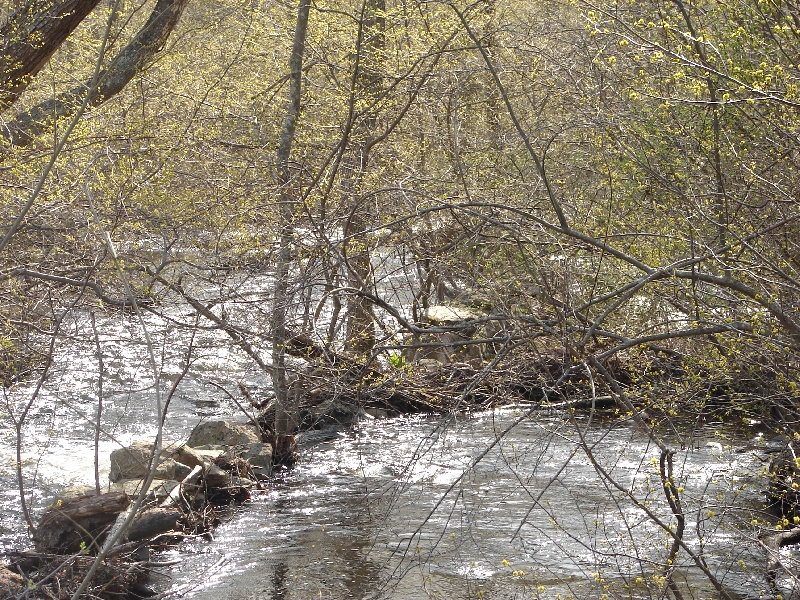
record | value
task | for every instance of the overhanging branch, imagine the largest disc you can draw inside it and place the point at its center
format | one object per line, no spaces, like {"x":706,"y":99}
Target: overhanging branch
{"x":131,"y":60}
{"x":30,"y":37}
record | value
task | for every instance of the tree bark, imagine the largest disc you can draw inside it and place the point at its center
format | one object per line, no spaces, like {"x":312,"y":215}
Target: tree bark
{"x":368,"y":84}
{"x":285,"y":412}
{"x":131,"y":60}
{"x":64,"y":526}
{"x":30,"y":36}
{"x":153,"y":522}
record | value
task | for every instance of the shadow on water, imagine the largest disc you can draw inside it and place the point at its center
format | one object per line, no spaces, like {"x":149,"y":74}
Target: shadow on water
{"x":279,"y":582}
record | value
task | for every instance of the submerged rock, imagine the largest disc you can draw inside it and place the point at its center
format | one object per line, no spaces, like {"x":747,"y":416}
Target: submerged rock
{"x":332,"y":414}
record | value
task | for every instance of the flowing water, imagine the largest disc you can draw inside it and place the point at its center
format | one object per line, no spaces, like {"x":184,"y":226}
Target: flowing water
{"x":500,"y":504}
{"x":410,"y":508}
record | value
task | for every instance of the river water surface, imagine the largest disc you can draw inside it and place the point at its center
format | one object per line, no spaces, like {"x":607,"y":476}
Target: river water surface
{"x":500,"y":504}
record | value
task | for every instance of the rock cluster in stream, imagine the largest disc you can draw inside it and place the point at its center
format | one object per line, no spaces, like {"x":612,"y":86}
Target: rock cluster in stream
{"x":220,"y":463}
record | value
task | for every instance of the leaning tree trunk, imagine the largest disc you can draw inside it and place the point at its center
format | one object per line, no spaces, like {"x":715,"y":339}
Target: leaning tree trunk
{"x":130,"y":61}
{"x":28,"y":39}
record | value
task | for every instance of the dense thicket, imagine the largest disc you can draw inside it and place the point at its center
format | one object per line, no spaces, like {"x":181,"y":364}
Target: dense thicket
{"x":607,"y":183}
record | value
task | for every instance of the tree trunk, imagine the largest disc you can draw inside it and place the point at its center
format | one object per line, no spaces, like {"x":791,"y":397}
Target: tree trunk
{"x":368,"y":84}
{"x":285,"y":409}
{"x":30,"y":36}
{"x":131,"y":60}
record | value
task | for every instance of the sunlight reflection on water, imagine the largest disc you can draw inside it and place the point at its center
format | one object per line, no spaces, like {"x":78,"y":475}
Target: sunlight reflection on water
{"x":401,"y":508}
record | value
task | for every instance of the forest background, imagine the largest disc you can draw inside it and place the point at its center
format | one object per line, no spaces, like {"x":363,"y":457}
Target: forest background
{"x":610,"y":187}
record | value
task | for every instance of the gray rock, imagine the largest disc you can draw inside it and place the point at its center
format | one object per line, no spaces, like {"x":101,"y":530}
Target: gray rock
{"x":190,"y":457}
{"x":133,"y":462}
{"x":311,"y":437}
{"x":240,"y":482}
{"x":456,"y":345}
{"x":334,"y":414}
{"x":260,"y":458}
{"x":160,"y":488}
{"x":75,"y":491}
{"x":216,"y":477}
{"x":449,"y":315}
{"x":172,"y":469}
{"x":210,"y":453}
{"x":377,"y":413}
{"x":223,"y":433}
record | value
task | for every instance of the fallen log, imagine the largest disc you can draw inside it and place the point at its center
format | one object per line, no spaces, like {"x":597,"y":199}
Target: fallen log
{"x":78,"y":524}
{"x":772,"y":542}
{"x":153,"y":522}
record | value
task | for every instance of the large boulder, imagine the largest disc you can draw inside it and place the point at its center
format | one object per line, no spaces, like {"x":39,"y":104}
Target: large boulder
{"x":133,"y":462}
{"x":223,"y":433}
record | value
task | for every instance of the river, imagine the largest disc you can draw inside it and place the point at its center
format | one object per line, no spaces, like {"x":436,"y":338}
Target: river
{"x":498,"y":504}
